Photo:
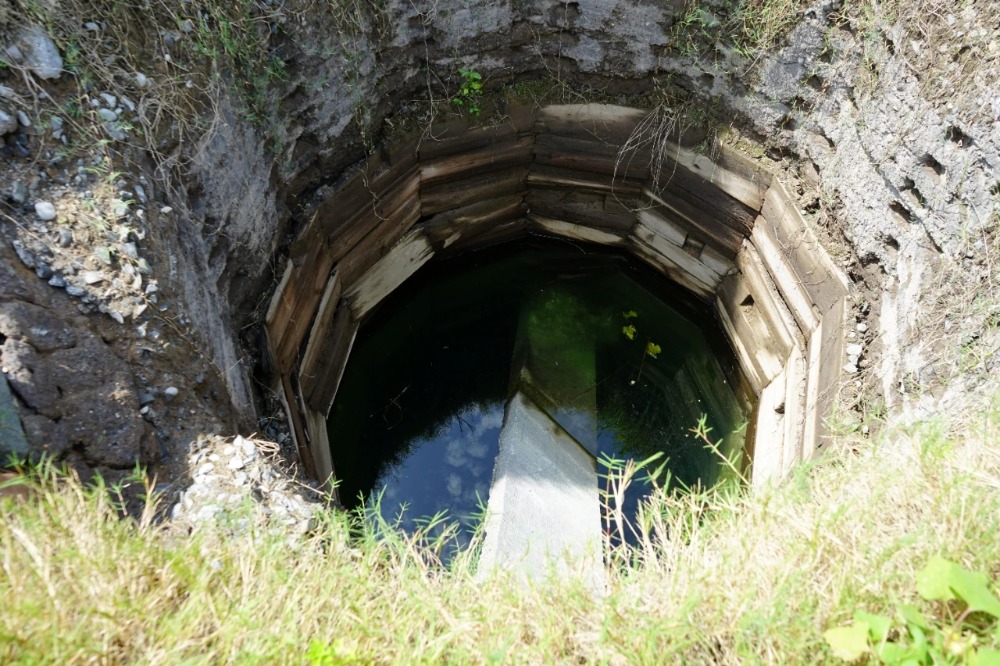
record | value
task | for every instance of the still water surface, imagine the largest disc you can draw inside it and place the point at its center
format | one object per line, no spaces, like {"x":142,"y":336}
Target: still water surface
{"x":418,"y":415}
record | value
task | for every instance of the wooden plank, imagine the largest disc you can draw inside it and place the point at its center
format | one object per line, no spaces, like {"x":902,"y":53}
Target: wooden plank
{"x":305,"y":288}
{"x":801,"y":250}
{"x":378,"y":242}
{"x":349,"y":231}
{"x":769,"y":444}
{"x":319,"y":445}
{"x":763,"y":348}
{"x":725,"y":239}
{"x":669,"y":268}
{"x":727,"y":170}
{"x":695,"y":197}
{"x":663,"y":225}
{"x":831,"y":361}
{"x":591,"y":209}
{"x":563,"y":229}
{"x":494,"y":235}
{"x":290,"y":402}
{"x":279,"y":293}
{"x":548,"y":176}
{"x":677,"y":255}
{"x":812,"y":418}
{"x":445,"y":228}
{"x":591,"y":156}
{"x":795,"y":406}
{"x":403,"y":260}
{"x":320,"y":388}
{"x":438,"y":197}
{"x":768,"y":301}
{"x":747,"y":363}
{"x":492,"y":157}
{"x":458,"y":136}
{"x":605,"y":122}
{"x":358,"y":187}
{"x":793,"y":292}
{"x":321,"y":326}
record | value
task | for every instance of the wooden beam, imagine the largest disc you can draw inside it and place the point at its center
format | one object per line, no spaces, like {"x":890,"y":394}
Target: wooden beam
{"x":800,"y":249}
{"x":563,"y":229}
{"x":402,"y":261}
{"x":320,"y":388}
{"x":605,"y":122}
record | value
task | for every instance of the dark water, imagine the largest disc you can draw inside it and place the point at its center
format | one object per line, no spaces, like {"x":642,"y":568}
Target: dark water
{"x":419,"y":411}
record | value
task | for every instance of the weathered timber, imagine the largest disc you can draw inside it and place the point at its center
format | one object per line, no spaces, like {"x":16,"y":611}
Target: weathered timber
{"x":478,"y":238}
{"x":299,"y":302}
{"x":751,"y":370}
{"x":795,"y":409}
{"x":726,"y":240}
{"x":592,"y":156}
{"x":319,"y":445}
{"x":765,"y":349}
{"x":548,"y":226}
{"x":734,"y":174}
{"x":811,"y":426}
{"x":769,"y":449}
{"x":438,"y":197}
{"x":591,"y":209}
{"x":299,"y":436}
{"x":403,"y":260}
{"x":462,"y":135}
{"x":767,"y":300}
{"x":669,"y":268}
{"x":695,"y":197}
{"x":606,"y":122}
{"x":794,"y":294}
{"x":378,"y":242}
{"x":320,"y":388}
{"x":831,"y":360}
{"x":320,"y":330}
{"x":275,"y":305}
{"x":677,"y":255}
{"x":492,"y":157}
{"x":801,"y":250}
{"x":347,"y":230}
{"x":361,"y":189}
{"x":550,"y":176}
{"x":445,"y":228}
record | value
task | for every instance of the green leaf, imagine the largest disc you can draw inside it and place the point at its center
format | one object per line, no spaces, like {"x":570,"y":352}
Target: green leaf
{"x":629,"y":331}
{"x":653,"y":349}
{"x":974,"y":590}
{"x":945,"y":580}
{"x":878,"y":625}
{"x":933,"y":581}
{"x":894,"y":653}
{"x":985,"y":657}
{"x":631,"y":314}
{"x":848,"y":643}
{"x":913,"y":617}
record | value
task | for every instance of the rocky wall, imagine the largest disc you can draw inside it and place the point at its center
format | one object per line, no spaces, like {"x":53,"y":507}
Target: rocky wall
{"x":897,"y":171}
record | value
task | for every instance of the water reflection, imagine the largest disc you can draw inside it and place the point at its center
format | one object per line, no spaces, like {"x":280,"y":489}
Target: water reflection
{"x":420,"y":408}
{"x":449,"y":471}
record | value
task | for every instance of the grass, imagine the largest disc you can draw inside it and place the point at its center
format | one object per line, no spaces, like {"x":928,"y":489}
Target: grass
{"x":743,"y":577}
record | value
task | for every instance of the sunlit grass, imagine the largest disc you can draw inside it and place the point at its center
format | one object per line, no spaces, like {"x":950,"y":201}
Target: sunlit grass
{"x":725,"y":576}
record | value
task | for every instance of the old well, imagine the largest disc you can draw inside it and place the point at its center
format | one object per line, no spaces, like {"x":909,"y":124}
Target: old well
{"x":715,"y":225}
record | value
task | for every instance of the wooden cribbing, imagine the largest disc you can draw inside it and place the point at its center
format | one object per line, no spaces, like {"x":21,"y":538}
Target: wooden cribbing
{"x":591,"y":156}
{"x":446,"y":228}
{"x":320,"y":388}
{"x":598,"y":210}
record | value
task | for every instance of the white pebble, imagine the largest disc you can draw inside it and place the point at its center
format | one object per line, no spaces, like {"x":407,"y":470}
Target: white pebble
{"x":45,"y":211}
